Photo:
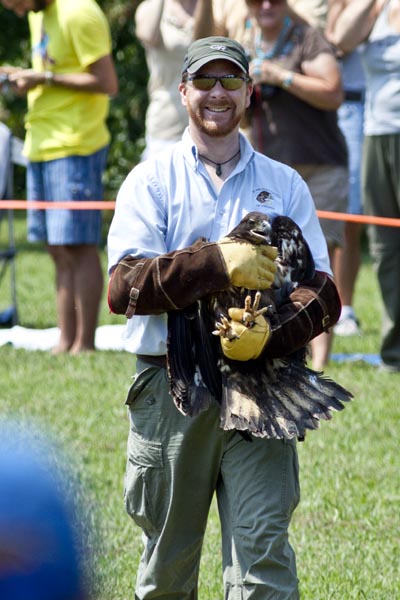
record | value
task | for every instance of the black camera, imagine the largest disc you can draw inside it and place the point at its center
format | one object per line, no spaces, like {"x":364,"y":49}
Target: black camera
{"x":4,"y":83}
{"x":263,"y":92}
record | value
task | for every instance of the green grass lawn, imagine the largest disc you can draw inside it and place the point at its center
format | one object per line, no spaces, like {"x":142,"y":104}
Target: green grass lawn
{"x":346,"y":528}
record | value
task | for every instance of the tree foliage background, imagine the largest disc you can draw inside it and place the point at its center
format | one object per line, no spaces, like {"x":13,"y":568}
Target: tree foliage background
{"x":127,"y":111}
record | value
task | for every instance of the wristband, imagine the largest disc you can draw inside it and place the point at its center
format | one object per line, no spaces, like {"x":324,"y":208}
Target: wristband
{"x":48,"y":77}
{"x":287,"y":82}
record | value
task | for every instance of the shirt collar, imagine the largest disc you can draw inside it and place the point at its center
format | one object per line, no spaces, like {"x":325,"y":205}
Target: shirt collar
{"x":191,"y":153}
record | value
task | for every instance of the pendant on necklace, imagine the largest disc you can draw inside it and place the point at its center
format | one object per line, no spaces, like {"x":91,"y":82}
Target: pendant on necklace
{"x":218,"y":166}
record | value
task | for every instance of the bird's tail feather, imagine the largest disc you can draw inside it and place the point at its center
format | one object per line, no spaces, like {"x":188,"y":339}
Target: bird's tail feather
{"x":297,"y":401}
{"x":240,"y":411}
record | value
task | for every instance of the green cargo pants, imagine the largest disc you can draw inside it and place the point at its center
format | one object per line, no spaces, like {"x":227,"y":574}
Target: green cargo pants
{"x":175,"y":464}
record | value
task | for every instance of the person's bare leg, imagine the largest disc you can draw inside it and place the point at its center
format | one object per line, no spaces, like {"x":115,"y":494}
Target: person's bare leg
{"x":88,"y":288}
{"x":322,"y":344}
{"x":347,"y":262}
{"x":65,"y":303}
{"x":321,"y":350}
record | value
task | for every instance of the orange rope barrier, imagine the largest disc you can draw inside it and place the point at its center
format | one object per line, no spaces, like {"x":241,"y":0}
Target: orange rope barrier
{"x":367,"y":219}
{"x":68,"y":204}
{"x":110,"y":205}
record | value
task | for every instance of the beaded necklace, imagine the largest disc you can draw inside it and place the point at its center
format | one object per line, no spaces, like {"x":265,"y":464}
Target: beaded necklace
{"x":277,"y":48}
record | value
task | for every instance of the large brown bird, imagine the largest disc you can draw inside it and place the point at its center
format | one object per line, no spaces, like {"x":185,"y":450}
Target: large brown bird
{"x":266,"y":397}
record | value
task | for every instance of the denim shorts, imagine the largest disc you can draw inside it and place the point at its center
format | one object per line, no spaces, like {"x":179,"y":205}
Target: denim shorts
{"x":351,"y":121}
{"x":73,"y":178}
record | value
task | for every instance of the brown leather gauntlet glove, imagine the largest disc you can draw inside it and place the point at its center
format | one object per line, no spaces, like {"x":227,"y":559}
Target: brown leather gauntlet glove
{"x":311,"y":308}
{"x":151,"y":286}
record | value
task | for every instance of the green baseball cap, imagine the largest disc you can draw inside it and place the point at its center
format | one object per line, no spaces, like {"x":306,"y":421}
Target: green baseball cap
{"x":204,"y":50}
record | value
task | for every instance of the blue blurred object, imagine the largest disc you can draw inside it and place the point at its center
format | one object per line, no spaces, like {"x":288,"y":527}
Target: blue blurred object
{"x":372,"y":359}
{"x":9,"y":317}
{"x":8,"y":157}
{"x":38,"y":555}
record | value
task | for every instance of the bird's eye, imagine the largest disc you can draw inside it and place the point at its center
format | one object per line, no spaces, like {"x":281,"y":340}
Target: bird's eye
{"x":252,"y":222}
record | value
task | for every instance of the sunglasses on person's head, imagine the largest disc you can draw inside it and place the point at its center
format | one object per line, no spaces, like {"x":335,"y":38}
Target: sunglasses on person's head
{"x":207,"y":82}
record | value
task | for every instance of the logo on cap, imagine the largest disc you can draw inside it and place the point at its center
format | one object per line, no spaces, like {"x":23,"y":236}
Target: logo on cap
{"x":217,"y":47}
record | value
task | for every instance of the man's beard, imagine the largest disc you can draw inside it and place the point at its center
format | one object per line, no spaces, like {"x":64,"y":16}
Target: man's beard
{"x":39,"y":5}
{"x":209,"y":127}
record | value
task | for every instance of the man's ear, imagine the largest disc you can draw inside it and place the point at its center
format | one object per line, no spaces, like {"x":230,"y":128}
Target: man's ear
{"x":249,"y":93}
{"x":183,"y":89}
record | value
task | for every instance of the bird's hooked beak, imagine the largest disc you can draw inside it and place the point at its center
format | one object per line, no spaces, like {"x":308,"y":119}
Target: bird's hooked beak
{"x":262,"y":231}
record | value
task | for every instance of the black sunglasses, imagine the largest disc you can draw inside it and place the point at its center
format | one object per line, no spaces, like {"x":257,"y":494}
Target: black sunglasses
{"x":207,"y":82}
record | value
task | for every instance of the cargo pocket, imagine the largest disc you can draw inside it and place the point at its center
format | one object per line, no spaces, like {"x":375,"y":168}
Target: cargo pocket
{"x":145,"y":486}
{"x":140,"y":384}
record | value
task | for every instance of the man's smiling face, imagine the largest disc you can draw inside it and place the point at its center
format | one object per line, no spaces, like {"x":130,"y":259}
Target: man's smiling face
{"x":218,"y":111}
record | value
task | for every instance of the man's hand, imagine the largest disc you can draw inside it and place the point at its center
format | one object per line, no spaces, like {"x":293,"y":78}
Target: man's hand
{"x":248,"y":265}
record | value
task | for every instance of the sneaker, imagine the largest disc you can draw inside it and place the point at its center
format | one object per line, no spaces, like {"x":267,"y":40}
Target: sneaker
{"x":387,"y":368}
{"x":347,"y":326}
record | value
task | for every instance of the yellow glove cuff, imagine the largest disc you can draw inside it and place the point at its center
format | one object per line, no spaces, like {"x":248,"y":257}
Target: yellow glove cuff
{"x":249,"y":342}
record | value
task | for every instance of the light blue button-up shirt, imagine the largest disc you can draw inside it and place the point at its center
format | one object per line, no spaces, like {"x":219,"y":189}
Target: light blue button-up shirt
{"x":166,"y":203}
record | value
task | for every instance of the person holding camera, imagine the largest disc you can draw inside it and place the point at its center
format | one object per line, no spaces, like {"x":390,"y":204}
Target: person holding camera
{"x":292,"y":117}
{"x":67,"y":138}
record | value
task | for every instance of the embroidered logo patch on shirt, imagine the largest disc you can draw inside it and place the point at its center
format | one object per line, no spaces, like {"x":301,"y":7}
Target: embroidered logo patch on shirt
{"x":265,"y":197}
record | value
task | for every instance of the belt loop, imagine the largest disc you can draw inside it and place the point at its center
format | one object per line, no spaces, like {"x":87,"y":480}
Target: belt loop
{"x":354,"y":95}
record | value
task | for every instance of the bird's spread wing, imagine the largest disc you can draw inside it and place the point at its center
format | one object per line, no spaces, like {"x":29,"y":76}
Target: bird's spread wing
{"x":281,"y":399}
{"x":273,"y":398}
